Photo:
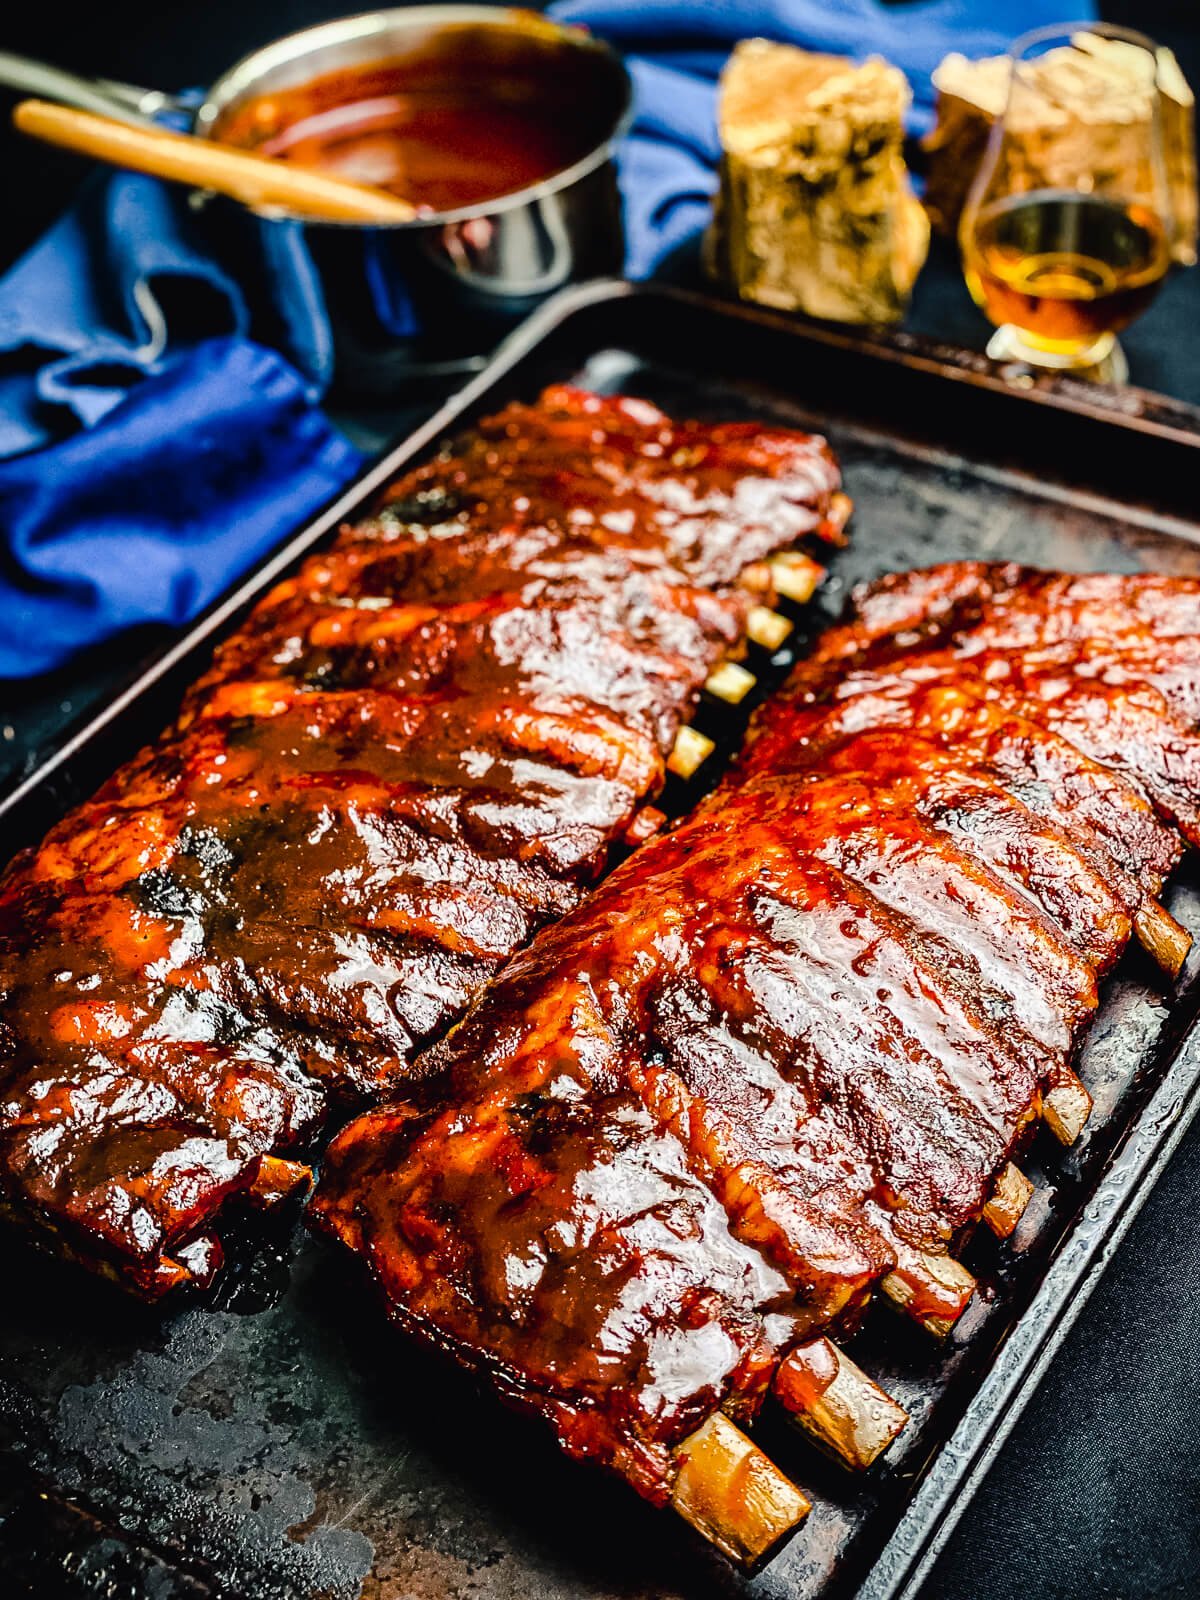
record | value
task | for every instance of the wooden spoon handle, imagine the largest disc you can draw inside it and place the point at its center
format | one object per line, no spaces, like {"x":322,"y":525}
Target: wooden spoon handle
{"x":255,"y":180}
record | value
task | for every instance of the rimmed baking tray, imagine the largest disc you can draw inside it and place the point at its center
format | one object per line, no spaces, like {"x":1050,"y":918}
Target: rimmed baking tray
{"x":277,"y":1441}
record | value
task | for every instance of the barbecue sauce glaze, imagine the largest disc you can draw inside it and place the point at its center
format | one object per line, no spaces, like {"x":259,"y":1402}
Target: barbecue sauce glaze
{"x":441,"y":133}
{"x":419,"y":749}
{"x":785,"y":1048}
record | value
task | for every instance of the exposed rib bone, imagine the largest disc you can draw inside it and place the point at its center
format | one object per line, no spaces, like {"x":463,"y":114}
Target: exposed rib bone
{"x":756,"y":578}
{"x":644,"y":825}
{"x":734,"y":1494}
{"x":833,"y":1400}
{"x":196,"y":1262}
{"x":691,"y":749}
{"x":1166,"y":940}
{"x":840,"y":510}
{"x":1011,"y":1195}
{"x":767,"y":628}
{"x":796,"y":576}
{"x":730,"y":682}
{"x":277,"y":1179}
{"x":1066,"y":1108}
{"x":932,"y":1289}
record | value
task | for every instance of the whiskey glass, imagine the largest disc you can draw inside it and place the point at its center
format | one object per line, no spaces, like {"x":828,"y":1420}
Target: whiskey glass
{"x":1066,"y":233}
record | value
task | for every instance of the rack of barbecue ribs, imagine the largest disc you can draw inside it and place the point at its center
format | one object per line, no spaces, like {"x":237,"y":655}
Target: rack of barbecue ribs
{"x":416,"y":751}
{"x":786,"y":1056}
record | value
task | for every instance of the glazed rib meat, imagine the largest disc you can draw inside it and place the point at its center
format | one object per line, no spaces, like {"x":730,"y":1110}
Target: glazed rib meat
{"x":415,"y":752}
{"x":782,"y":1054}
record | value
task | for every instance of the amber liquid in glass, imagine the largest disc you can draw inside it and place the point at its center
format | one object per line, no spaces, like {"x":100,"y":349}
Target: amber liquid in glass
{"x":1065,"y":269}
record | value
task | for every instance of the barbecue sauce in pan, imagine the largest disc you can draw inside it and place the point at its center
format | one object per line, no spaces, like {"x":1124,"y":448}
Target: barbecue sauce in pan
{"x":442,"y":133}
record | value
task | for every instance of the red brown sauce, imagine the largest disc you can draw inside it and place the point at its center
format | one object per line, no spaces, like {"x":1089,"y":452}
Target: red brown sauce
{"x":427,"y":743}
{"x":441,"y":134}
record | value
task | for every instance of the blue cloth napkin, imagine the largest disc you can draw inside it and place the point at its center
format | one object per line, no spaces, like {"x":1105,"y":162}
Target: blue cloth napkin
{"x":149,"y":515}
{"x":676,"y":49}
{"x":151,"y":448}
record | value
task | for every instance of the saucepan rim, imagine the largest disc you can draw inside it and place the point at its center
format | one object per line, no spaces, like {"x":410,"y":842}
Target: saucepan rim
{"x":240,"y":79}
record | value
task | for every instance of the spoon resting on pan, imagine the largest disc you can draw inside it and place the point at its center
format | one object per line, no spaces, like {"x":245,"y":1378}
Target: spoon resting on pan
{"x":257,"y":181}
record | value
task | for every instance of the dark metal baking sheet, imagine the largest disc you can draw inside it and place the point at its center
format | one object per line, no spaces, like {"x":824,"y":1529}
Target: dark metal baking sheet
{"x":277,"y":1441}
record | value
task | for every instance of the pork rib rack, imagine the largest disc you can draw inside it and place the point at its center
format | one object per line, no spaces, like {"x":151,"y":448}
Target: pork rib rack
{"x":415,"y":752}
{"x":784,"y":1057}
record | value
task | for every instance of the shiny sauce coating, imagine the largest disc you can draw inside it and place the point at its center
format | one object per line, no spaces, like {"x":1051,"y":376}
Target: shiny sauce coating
{"x":439,"y":135}
{"x":421,"y":747}
{"x":784,"y":1050}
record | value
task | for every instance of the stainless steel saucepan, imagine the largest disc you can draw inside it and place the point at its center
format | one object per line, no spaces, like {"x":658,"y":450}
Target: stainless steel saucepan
{"x":430,"y":296}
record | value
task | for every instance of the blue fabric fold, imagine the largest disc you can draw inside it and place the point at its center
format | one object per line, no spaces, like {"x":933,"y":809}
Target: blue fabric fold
{"x":127,"y":281}
{"x":676,"y":49}
{"x":191,"y":477}
{"x":151,"y":449}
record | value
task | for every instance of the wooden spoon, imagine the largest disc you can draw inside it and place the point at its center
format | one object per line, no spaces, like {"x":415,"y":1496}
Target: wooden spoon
{"x":256,"y":181}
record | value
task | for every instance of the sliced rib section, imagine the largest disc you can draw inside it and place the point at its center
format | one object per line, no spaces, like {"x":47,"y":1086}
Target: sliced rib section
{"x":783,"y":1059}
{"x":418,"y":750}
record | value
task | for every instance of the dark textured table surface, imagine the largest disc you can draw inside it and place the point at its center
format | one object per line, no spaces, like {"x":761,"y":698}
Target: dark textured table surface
{"x":1097,"y":1492}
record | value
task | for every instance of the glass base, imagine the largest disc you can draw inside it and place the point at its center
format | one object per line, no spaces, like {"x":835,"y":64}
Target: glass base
{"x":1102,"y":362}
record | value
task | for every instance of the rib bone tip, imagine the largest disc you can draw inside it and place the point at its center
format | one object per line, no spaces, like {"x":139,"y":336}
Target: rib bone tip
{"x":835,"y":1402}
{"x":1012,"y":1193}
{"x":795,"y":576}
{"x":767,"y":628}
{"x":841,"y":508}
{"x":932,"y":1289}
{"x":690,"y":750}
{"x":1066,"y":1109}
{"x":733,"y":1493}
{"x":730,"y":682}
{"x":1167,"y":940}
{"x":279,"y":1179}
